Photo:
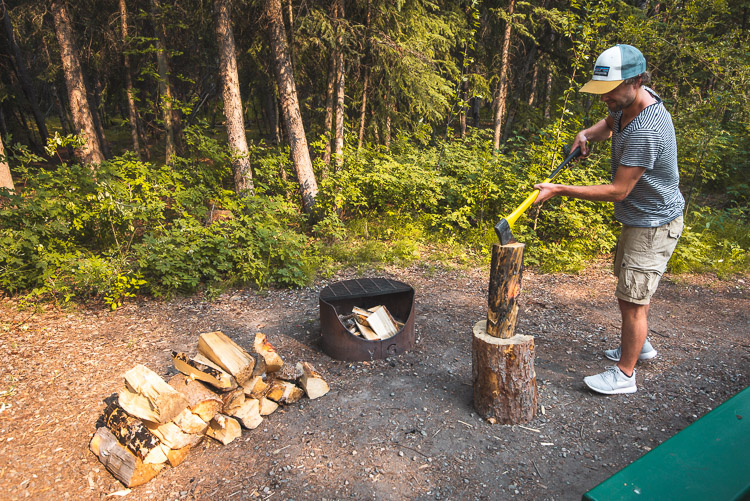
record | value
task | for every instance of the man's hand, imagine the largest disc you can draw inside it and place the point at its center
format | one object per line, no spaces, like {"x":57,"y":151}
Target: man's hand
{"x":582,"y":141}
{"x":546,"y":191}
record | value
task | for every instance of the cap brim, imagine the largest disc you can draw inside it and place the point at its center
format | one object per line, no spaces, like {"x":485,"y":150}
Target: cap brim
{"x":600,"y":86}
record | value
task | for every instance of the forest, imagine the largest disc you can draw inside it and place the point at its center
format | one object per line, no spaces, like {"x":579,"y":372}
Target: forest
{"x":171,"y":146}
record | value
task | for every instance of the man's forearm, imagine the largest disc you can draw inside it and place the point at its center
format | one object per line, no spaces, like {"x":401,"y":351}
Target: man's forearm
{"x":594,"y":193}
{"x":600,"y":131}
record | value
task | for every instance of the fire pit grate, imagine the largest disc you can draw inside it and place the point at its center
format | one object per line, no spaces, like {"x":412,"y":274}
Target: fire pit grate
{"x":339,"y":298}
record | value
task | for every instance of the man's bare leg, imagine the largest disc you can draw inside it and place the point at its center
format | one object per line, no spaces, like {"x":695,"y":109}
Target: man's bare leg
{"x":634,"y":332}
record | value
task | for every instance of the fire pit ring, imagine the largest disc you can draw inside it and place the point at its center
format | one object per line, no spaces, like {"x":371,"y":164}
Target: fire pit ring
{"x":339,"y":298}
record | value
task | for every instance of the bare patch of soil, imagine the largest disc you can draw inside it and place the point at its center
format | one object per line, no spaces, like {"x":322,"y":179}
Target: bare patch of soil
{"x":402,"y":428}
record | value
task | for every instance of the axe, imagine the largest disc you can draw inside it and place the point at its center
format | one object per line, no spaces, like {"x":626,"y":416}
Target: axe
{"x":502,"y":228}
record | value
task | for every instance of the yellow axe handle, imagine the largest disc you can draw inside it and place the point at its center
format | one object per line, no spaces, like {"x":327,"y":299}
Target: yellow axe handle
{"x":513,"y":216}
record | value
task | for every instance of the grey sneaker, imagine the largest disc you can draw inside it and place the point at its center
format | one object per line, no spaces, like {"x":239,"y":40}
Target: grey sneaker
{"x":611,"y":382}
{"x":647,"y":352}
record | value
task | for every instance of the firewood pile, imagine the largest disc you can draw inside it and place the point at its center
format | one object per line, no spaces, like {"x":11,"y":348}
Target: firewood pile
{"x":373,"y":324}
{"x":222,"y":389}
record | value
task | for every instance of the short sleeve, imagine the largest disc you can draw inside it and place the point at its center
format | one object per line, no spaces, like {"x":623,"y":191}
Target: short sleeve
{"x":641,"y":149}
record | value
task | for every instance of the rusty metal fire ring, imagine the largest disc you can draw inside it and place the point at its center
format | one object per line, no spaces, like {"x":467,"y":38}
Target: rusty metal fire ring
{"x":339,"y":298}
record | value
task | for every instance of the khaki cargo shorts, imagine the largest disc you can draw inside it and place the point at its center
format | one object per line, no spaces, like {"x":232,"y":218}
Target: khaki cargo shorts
{"x":641,"y":258}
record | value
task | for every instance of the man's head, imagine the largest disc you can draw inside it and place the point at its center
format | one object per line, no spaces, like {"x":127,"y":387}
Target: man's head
{"x":618,"y":64}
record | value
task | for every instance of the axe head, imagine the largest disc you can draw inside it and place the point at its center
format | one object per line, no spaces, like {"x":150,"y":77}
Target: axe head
{"x":504,"y":234}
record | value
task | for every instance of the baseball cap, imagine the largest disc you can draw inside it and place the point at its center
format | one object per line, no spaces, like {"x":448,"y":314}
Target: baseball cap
{"x":613,"y":66}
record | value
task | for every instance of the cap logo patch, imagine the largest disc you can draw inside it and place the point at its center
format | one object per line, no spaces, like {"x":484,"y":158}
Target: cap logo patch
{"x":601,"y":71}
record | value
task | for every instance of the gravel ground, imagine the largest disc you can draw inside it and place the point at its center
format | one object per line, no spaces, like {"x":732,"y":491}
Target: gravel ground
{"x":401,"y":428}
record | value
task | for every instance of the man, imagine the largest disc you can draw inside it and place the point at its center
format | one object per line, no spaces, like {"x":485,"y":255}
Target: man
{"x":645,"y":191}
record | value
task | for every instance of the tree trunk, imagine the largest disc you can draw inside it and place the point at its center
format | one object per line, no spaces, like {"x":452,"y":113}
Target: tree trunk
{"x":6,"y":180}
{"x":27,"y":85}
{"x":548,"y":91}
{"x":464,"y":108}
{"x":91,"y":152}
{"x":363,"y":109}
{"x":129,"y":90}
{"x":243,"y":174}
{"x":290,"y":106}
{"x":502,"y":92}
{"x":99,"y":116}
{"x":534,"y":79}
{"x":516,"y":96}
{"x":328,"y":122}
{"x":338,"y":143}
{"x":171,"y":124}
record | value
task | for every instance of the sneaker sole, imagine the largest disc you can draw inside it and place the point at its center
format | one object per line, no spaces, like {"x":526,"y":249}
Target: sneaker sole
{"x":629,"y":389}
{"x":643,"y":356}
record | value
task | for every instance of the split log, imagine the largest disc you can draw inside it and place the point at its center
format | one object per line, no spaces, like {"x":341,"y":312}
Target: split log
{"x":380,"y":322}
{"x":312,"y":382}
{"x":201,"y":400}
{"x":260,"y":364}
{"x":232,"y":401}
{"x":172,"y":436}
{"x":503,"y":376}
{"x":149,"y":397}
{"x":267,"y":406}
{"x":133,"y":434}
{"x":210,"y":373}
{"x":284,"y":392}
{"x":248,"y":413}
{"x":177,"y":456}
{"x":290,"y":373}
{"x":224,"y":429}
{"x":256,"y":388}
{"x":190,"y":423}
{"x":264,"y":348}
{"x":505,"y":286}
{"x":220,"y":349}
{"x":365,"y":330}
{"x":122,"y":463}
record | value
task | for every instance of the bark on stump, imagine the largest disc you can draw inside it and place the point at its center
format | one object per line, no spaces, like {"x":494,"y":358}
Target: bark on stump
{"x":503,"y":376}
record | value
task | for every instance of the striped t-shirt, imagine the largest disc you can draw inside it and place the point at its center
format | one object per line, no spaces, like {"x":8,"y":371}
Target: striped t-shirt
{"x":648,"y":141}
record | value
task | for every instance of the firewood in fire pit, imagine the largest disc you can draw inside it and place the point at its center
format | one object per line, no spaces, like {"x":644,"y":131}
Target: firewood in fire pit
{"x":210,"y":373}
{"x":220,"y":349}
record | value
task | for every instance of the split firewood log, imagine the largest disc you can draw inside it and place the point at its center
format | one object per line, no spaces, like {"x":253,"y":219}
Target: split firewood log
{"x":232,"y":401}
{"x":149,"y":397}
{"x":220,"y":349}
{"x":312,"y":382}
{"x":190,"y":423}
{"x":133,"y":434}
{"x":248,"y":413}
{"x":123,"y":464}
{"x":172,"y":436}
{"x":224,"y":429}
{"x":267,"y":406}
{"x":284,"y":392}
{"x":177,"y":456}
{"x":365,"y":330}
{"x":262,"y":346}
{"x":210,"y":373}
{"x":255,"y":388}
{"x":381,"y":323}
{"x":202,"y":402}
{"x":289,"y":372}
{"x":260,"y":364}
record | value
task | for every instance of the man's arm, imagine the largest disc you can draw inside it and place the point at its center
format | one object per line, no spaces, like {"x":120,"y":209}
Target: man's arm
{"x":621,"y":186}
{"x":600,"y":131}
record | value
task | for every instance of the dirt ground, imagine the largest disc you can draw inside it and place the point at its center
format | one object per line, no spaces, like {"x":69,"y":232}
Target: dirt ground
{"x":402,"y":428}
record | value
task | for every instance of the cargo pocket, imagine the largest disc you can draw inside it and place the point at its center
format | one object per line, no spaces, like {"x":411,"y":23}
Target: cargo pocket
{"x":637,"y":286}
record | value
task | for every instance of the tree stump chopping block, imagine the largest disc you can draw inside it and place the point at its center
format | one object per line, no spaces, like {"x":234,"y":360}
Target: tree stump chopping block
{"x":503,"y":376}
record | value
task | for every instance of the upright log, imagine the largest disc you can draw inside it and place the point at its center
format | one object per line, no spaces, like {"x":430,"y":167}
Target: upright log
{"x":505,"y":286}
{"x":504,"y":380}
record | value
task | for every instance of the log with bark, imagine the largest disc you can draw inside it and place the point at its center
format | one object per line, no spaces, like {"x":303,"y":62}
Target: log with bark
{"x":172,"y":436}
{"x":284,"y":392}
{"x":133,"y":434}
{"x":210,"y":373}
{"x":123,"y":464}
{"x":201,"y":401}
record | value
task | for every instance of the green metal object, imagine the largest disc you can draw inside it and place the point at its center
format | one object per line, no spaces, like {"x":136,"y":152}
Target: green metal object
{"x":708,"y":460}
